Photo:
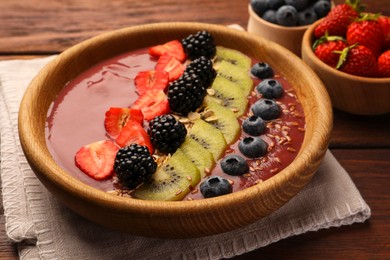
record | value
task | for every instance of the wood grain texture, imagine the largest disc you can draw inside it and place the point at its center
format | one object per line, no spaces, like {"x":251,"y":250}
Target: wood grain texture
{"x":361,"y":144}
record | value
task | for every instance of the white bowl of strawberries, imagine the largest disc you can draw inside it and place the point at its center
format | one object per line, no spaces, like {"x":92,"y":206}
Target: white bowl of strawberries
{"x":350,"y":51}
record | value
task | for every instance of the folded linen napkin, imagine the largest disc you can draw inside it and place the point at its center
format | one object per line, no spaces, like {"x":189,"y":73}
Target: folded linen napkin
{"x":44,"y":229}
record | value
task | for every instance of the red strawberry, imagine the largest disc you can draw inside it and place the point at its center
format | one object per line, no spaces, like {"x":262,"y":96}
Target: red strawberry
{"x":358,"y":60}
{"x":384,"y":64}
{"x":338,"y":19}
{"x":171,"y":65}
{"x":151,"y":79}
{"x":173,"y":48}
{"x":384,"y":21}
{"x":366,"y":31}
{"x":134,"y":133}
{"x":325,"y":46}
{"x":97,"y":159}
{"x":117,"y":117}
{"x":153,"y":103}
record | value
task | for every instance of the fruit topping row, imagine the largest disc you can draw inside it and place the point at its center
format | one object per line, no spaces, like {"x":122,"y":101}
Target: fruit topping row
{"x":353,"y":41}
{"x":291,"y":12}
{"x":190,"y":109}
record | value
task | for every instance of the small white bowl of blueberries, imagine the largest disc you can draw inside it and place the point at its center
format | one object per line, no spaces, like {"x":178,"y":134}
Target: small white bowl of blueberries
{"x":285,"y":21}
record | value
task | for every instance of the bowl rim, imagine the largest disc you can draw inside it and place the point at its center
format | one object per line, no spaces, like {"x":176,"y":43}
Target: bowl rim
{"x":272,"y":25}
{"x":55,"y":174}
{"x":307,"y":45}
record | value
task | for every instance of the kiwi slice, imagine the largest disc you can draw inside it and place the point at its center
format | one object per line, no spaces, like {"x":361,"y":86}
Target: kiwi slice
{"x":228,"y":95}
{"x":172,"y":180}
{"x":225,"y":120}
{"x":209,"y":137}
{"x":198,"y":155}
{"x":235,"y":57}
{"x":236,"y":75}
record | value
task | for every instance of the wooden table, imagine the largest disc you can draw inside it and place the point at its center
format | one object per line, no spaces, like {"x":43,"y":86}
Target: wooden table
{"x":32,"y":28}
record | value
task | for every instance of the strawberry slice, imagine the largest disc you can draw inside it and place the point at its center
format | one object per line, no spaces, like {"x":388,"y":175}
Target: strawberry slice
{"x":133,"y":132}
{"x":151,"y":79}
{"x":171,"y":65}
{"x":97,"y":159}
{"x":173,"y":48}
{"x":117,"y":117}
{"x":152,"y":103}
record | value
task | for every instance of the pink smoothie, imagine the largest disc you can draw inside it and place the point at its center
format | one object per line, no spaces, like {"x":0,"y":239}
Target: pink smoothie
{"x":77,"y":116}
{"x":76,"y":119}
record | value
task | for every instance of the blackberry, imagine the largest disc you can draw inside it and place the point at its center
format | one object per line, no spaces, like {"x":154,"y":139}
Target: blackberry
{"x":134,"y":165}
{"x":186,"y":94}
{"x":200,"y":44}
{"x":203,"y":68}
{"x":166,"y":133}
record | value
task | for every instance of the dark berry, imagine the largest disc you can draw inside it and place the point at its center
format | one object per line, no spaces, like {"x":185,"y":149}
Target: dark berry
{"x":275,"y":4}
{"x":297,"y":4}
{"x":259,"y":6}
{"x":322,"y":8}
{"x":253,"y":147}
{"x":203,"y":68}
{"x":270,"y":88}
{"x":254,"y":125}
{"x":287,"y":15}
{"x":267,"y":109}
{"x":307,"y":16}
{"x":186,"y":94}
{"x":234,"y":165}
{"x":134,"y":165}
{"x":262,"y":70}
{"x":200,"y":44}
{"x":215,"y":186}
{"x":270,"y":16}
{"x":166,"y":133}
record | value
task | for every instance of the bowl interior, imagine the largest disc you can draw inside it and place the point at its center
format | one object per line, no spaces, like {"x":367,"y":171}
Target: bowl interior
{"x":183,"y":218}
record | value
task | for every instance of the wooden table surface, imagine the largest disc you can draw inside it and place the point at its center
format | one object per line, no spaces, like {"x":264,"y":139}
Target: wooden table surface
{"x":32,"y":28}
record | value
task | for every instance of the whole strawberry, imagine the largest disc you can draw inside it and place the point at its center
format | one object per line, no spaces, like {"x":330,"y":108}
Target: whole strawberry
{"x":384,"y":21}
{"x":366,"y":31}
{"x":358,"y":60}
{"x":325,"y":47}
{"x":384,"y":64}
{"x":338,"y":19}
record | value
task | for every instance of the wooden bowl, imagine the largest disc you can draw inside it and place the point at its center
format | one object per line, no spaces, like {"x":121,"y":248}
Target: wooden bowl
{"x":181,"y":219}
{"x":288,"y":37}
{"x":349,"y":93}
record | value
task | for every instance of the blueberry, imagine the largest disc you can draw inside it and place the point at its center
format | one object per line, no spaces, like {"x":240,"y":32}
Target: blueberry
{"x":270,"y":16}
{"x":215,"y":186}
{"x":234,"y":165}
{"x":297,"y":4}
{"x":267,"y":109}
{"x":259,"y":6}
{"x":275,"y":4}
{"x":254,"y":125}
{"x":270,"y":88}
{"x":287,"y":15}
{"x":262,"y":70}
{"x":307,"y":16}
{"x":322,"y":8}
{"x":253,"y":147}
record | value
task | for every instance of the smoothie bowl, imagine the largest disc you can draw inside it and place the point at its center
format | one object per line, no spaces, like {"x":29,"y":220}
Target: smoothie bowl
{"x":256,"y":123}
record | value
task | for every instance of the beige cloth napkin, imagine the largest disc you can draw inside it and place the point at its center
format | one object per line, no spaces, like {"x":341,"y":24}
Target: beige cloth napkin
{"x":44,"y":229}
